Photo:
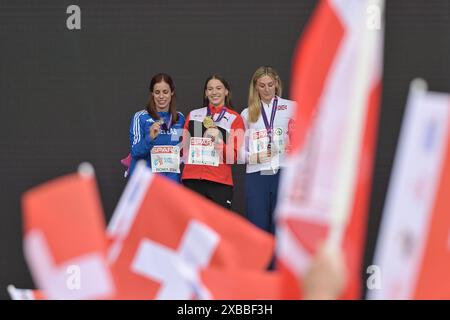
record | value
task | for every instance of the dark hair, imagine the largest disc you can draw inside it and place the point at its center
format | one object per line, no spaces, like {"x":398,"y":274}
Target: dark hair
{"x":228,"y":102}
{"x":151,"y":108}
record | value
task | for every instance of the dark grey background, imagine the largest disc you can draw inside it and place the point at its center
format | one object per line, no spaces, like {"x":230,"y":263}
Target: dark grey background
{"x":68,"y":96}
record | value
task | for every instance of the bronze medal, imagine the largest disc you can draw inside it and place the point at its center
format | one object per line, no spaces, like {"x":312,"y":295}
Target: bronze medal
{"x":269,"y":149}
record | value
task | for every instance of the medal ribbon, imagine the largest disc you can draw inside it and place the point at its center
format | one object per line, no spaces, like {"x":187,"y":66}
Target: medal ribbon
{"x":269,"y":126}
{"x":221,"y":114}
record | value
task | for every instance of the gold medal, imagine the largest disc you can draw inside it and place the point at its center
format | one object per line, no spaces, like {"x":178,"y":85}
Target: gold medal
{"x":208,"y":122}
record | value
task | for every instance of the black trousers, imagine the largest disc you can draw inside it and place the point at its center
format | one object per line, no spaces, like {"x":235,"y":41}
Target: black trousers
{"x":220,"y":193}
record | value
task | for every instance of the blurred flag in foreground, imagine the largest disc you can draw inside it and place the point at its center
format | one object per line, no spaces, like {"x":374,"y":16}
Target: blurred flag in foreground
{"x":413,"y":248}
{"x":64,"y":241}
{"x":164,"y":242}
{"x":163,"y":236}
{"x":336,"y":81}
{"x":248,"y":284}
{"x":25,"y":294}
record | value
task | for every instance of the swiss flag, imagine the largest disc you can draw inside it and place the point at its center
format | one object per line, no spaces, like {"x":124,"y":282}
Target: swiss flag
{"x":164,"y":242}
{"x":164,"y":236}
{"x":64,"y":242}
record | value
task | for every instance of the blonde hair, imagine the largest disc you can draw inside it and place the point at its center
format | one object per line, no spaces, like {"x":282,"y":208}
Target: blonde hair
{"x":254,"y":101}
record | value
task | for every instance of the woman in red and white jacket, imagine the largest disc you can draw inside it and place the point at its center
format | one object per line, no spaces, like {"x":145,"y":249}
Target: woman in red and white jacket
{"x":212,"y":137}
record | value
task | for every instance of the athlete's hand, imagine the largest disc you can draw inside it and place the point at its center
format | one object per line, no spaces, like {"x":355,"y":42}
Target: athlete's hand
{"x":260,"y":157}
{"x":214,"y":134}
{"x":264,"y":156}
{"x":154,"y":130}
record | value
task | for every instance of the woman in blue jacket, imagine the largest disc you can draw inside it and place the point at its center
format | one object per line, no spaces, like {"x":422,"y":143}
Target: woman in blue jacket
{"x":156,"y":131}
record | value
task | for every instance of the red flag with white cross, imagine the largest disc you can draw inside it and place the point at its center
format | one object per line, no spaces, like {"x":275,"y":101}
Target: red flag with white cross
{"x":163,"y":237}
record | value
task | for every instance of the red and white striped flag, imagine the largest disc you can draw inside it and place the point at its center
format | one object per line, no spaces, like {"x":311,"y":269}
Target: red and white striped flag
{"x":336,"y":81}
{"x":413,"y":247}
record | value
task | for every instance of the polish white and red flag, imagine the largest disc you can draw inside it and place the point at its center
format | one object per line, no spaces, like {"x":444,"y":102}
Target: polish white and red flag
{"x":336,"y":81}
{"x":168,"y":242}
{"x":413,"y":247}
{"x":64,"y":242}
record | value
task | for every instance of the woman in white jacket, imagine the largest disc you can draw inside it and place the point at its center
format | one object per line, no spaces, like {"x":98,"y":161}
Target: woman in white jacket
{"x":267,"y":121}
